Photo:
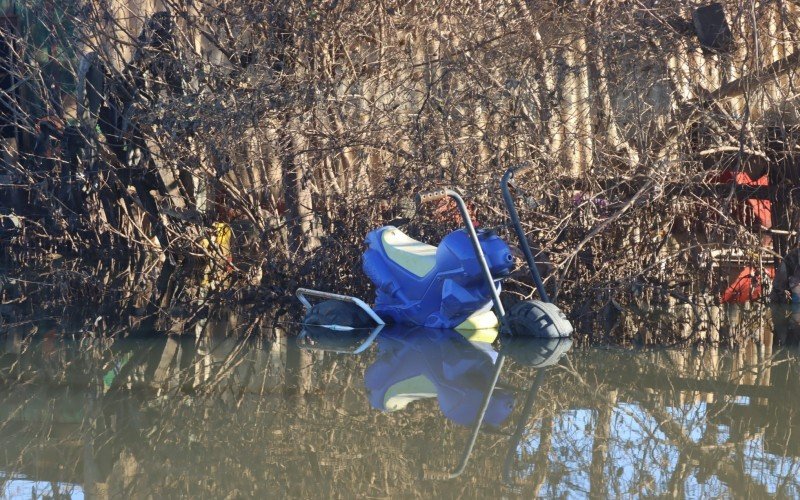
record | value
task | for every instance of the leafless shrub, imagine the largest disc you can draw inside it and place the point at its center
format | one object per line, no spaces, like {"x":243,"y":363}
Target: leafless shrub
{"x":136,"y":126}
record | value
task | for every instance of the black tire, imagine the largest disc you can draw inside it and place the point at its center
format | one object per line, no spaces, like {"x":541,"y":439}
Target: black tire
{"x":533,"y":352}
{"x":533,"y":318}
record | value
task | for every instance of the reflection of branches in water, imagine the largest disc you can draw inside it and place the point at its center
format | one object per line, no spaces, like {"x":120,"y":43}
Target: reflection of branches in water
{"x":682,"y":416}
{"x":215,"y":414}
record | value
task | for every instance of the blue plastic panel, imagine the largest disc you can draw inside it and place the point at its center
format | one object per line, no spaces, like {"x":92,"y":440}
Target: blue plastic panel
{"x":450,"y":293}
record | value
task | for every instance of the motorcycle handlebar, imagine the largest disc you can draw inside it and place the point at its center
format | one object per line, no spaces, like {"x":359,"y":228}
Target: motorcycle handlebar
{"x":520,"y":169}
{"x":523,"y":168}
{"x":431,"y":196}
{"x":435,"y":475}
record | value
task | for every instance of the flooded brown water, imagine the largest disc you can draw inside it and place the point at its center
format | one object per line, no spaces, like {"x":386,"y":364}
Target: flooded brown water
{"x":212,"y":415}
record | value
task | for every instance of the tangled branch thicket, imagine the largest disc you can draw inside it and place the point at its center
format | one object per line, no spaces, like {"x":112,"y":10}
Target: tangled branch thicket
{"x":159,"y":125}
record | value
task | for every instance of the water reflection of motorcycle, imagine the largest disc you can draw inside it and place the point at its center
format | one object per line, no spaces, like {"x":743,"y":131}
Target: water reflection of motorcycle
{"x":420,"y":363}
{"x":462,"y":373}
{"x":534,"y":353}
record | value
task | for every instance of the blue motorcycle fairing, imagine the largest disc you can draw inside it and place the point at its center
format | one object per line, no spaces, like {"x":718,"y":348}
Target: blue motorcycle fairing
{"x":423,"y":363}
{"x":435,"y":287}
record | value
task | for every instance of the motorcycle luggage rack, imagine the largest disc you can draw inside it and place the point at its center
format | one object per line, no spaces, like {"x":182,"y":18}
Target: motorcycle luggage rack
{"x":304,"y":342}
{"x":303,"y":292}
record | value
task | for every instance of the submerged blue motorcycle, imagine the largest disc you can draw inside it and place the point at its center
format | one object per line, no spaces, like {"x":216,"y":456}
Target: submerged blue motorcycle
{"x":453,"y":286}
{"x":435,"y":287}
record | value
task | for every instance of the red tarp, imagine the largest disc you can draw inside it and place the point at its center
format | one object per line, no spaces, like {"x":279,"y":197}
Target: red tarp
{"x":747,"y":285}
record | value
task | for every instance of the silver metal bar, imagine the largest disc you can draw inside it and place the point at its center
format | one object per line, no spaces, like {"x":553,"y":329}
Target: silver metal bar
{"x":476,"y":245}
{"x":462,"y":465}
{"x":358,"y":350}
{"x":303,"y":292}
{"x":473,"y":237}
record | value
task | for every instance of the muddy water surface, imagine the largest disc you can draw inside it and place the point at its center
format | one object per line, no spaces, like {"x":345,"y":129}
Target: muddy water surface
{"x":212,"y":415}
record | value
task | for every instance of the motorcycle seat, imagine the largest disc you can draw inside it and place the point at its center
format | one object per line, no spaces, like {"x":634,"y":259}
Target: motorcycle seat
{"x":414,"y":256}
{"x":406,"y":391}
